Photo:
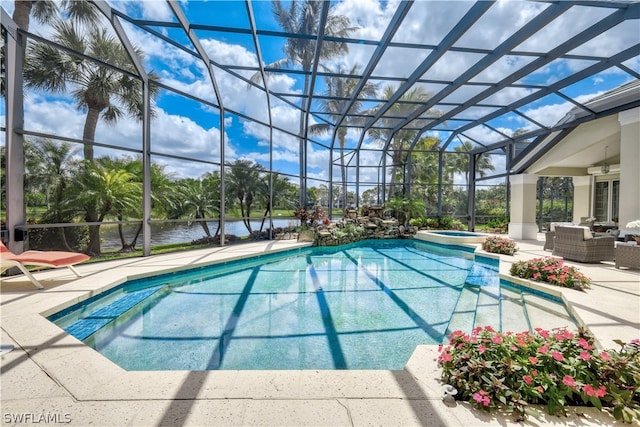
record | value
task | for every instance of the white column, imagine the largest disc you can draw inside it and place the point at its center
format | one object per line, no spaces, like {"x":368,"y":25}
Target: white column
{"x":582,"y":191}
{"x":629,"y":166}
{"x":523,"y":207}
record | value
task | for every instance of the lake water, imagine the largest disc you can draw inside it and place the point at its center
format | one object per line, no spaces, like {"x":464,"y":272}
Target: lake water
{"x":174,"y":232}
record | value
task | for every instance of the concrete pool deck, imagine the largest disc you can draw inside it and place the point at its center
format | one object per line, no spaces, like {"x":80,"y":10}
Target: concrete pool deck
{"x":52,"y":378}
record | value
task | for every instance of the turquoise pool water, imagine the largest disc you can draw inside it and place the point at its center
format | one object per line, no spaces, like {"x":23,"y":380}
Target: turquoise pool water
{"x":359,"y":306}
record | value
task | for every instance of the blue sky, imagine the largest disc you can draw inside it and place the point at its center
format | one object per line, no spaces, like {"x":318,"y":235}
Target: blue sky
{"x":186,"y":128}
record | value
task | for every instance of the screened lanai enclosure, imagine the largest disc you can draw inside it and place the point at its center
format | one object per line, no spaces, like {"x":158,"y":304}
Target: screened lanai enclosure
{"x":134,"y":123}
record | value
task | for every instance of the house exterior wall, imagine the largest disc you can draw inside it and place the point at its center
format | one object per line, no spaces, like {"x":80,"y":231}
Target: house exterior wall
{"x":522,"y":223}
{"x":582,"y":197}
{"x":629,"y":166}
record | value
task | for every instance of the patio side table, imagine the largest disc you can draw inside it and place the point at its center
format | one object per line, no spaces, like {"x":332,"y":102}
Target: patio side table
{"x":628,"y":255}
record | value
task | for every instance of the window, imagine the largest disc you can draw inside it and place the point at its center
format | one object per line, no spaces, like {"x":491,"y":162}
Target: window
{"x":606,"y":200}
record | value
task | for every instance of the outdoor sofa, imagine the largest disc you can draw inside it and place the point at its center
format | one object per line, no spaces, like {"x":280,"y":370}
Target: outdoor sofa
{"x":577,"y":243}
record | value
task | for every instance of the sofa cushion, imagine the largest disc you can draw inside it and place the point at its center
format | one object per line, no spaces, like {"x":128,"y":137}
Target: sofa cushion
{"x":552,"y":226}
{"x":587,"y":232}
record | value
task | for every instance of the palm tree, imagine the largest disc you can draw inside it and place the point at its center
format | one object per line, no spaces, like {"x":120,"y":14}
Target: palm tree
{"x":101,"y":91}
{"x":246,"y":182}
{"x":281,"y":196}
{"x":198,"y":202}
{"x":424,"y":170}
{"x":461,"y":162}
{"x":102,"y":191}
{"x":339,"y":91}
{"x":49,"y":169}
{"x":403,"y":137}
{"x":162,"y":192}
{"x":45,"y":10}
{"x":303,"y":17}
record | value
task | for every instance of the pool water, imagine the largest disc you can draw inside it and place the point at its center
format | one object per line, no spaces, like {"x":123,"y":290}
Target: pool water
{"x":358,"y":306}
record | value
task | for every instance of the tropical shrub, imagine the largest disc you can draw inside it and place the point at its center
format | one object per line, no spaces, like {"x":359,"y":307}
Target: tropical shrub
{"x":550,"y":270}
{"x":499,"y":245}
{"x":508,"y":371}
{"x":442,"y":223}
{"x":309,"y":217}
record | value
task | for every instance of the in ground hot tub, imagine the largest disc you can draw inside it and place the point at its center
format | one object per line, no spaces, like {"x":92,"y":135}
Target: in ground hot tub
{"x":450,"y":237}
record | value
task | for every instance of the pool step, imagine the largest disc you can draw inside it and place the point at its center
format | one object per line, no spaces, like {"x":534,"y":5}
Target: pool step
{"x":543,"y":313}
{"x":465,"y":311}
{"x":482,"y":275}
{"x":488,"y":309}
{"x":514,"y":314}
{"x":89,"y":325}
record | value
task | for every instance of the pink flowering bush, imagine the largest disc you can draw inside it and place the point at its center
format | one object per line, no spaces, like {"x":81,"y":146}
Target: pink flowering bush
{"x":499,"y":245}
{"x":511,"y":371}
{"x":550,"y":270}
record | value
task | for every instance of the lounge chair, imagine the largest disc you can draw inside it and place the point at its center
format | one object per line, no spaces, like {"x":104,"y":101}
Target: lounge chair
{"x":578,"y":244}
{"x":53,"y":259}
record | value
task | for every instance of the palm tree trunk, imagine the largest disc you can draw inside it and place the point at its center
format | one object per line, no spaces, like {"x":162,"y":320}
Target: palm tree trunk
{"x":88,"y":135}
{"x":121,"y":235}
{"x":94,"y":238}
{"x":63,"y":240}
{"x":89,"y":132}
{"x":60,"y":218}
{"x":218,"y":228}
{"x":132,"y":246}
{"x":204,"y":226}
{"x":264,"y":217}
{"x":21,"y":13}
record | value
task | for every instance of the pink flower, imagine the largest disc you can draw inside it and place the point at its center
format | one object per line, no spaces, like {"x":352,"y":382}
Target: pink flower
{"x":446,"y":357}
{"x":569,"y":381}
{"x":527,"y":379}
{"x":543,"y":350}
{"x":605,"y":356}
{"x":558,"y":356}
{"x":584,"y":344}
{"x":533,"y":360}
{"x":497,"y":339}
{"x":536,"y":275}
{"x":540,"y":389}
{"x":534,"y":373}
{"x":591,"y":391}
{"x":585,"y":356}
{"x":482,"y":397}
{"x":481,"y":349}
{"x":543,"y":333}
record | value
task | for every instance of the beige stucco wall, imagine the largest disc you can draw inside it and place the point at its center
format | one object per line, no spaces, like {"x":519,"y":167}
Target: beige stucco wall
{"x":522,"y":223}
{"x":629,"y":166}
{"x":582,"y":197}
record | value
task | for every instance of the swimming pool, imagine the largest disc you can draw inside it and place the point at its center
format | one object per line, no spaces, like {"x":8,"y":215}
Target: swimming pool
{"x":360,"y":306}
